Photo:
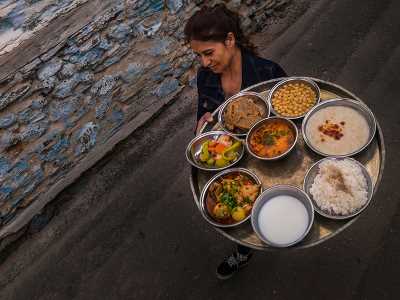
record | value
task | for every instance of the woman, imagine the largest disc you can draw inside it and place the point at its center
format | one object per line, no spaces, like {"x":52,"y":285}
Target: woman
{"x":228,"y":65}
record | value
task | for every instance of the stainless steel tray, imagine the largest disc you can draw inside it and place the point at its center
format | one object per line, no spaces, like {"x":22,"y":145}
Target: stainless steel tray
{"x":291,"y":170}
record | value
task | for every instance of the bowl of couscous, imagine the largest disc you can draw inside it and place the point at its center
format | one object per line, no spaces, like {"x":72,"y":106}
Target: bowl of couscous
{"x":292,"y":98}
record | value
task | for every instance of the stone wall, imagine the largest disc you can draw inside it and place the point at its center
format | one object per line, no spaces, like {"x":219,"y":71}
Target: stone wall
{"x":69,"y":101}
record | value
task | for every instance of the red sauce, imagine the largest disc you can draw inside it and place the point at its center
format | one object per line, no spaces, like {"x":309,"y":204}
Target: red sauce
{"x":332,"y":130}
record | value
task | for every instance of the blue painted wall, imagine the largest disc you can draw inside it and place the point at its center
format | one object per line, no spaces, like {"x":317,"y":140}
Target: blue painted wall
{"x":58,"y":109}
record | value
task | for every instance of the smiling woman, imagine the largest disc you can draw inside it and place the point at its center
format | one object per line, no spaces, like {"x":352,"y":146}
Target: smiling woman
{"x":228,"y":61}
{"x":228,"y":65}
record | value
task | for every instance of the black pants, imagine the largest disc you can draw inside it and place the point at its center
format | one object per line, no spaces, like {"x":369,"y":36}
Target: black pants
{"x":243,"y":249}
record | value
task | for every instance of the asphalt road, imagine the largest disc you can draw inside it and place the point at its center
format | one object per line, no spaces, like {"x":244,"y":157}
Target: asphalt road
{"x":128,"y":229}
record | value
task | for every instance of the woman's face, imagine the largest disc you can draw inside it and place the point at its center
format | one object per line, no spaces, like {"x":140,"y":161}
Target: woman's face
{"x":214,"y":55}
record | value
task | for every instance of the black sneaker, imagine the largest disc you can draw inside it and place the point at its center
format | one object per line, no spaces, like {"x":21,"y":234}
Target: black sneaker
{"x":232,"y":264}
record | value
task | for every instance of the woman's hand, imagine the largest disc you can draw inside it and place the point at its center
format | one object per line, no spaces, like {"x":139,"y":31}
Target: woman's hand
{"x":207,"y":117}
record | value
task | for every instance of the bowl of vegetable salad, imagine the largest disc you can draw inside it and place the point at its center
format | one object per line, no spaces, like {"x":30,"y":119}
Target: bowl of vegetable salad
{"x":214,"y":151}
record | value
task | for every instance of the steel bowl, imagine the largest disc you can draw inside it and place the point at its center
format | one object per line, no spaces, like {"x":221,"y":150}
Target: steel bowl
{"x":279,"y":190}
{"x":358,"y":106}
{"x":261,"y":123}
{"x":303,"y":80}
{"x":203,"y":197}
{"x":260,"y":100}
{"x":194,"y":148}
{"x":309,"y":180}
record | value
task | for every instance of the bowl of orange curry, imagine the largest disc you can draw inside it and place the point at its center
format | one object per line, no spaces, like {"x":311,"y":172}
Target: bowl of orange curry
{"x":271,"y":138}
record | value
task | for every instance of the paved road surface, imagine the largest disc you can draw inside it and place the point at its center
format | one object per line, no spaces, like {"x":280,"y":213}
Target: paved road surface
{"x":128,"y":229}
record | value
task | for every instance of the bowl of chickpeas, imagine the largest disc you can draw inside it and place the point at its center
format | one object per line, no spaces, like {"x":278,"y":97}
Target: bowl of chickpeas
{"x":294,"y":97}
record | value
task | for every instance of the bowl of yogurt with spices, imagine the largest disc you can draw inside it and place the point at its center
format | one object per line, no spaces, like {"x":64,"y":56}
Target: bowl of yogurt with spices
{"x":339,"y":127}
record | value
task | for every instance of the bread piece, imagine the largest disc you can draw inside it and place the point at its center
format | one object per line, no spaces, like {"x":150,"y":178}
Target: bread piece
{"x":243,"y":113}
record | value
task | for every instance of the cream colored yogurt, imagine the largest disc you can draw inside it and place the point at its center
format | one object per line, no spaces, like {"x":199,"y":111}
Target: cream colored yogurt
{"x":353,"y":127}
{"x":283,"y":220}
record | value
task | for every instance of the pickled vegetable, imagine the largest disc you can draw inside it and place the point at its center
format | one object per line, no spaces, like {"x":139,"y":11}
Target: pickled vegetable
{"x":231,"y":153}
{"x":220,"y":163}
{"x":204,"y":155}
{"x":220,"y":152}
{"x":211,"y":161}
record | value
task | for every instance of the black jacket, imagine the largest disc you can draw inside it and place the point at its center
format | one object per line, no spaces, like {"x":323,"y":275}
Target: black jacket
{"x":254,"y":70}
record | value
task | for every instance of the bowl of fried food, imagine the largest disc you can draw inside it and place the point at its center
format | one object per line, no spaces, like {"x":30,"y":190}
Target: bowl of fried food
{"x":240,"y":112}
{"x":271,"y":138}
{"x":292,"y":98}
{"x":227,"y":198}
{"x":214,"y":151}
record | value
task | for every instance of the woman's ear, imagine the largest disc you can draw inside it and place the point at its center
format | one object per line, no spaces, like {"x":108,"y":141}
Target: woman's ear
{"x":230,"y":40}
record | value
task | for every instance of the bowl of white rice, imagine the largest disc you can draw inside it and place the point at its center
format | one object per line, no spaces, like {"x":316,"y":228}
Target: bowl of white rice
{"x":339,"y":187}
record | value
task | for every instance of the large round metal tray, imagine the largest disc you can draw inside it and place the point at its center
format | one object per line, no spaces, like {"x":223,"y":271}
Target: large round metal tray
{"x":291,"y":170}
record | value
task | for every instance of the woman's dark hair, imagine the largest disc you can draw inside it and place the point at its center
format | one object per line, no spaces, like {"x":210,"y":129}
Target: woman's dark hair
{"x":214,"y":24}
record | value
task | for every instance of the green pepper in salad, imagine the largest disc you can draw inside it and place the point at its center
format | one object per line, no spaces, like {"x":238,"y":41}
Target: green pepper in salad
{"x":204,"y":155}
{"x":231,"y":153}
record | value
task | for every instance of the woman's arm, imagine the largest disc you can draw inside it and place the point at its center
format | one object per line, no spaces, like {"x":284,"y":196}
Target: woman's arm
{"x":207,"y":117}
